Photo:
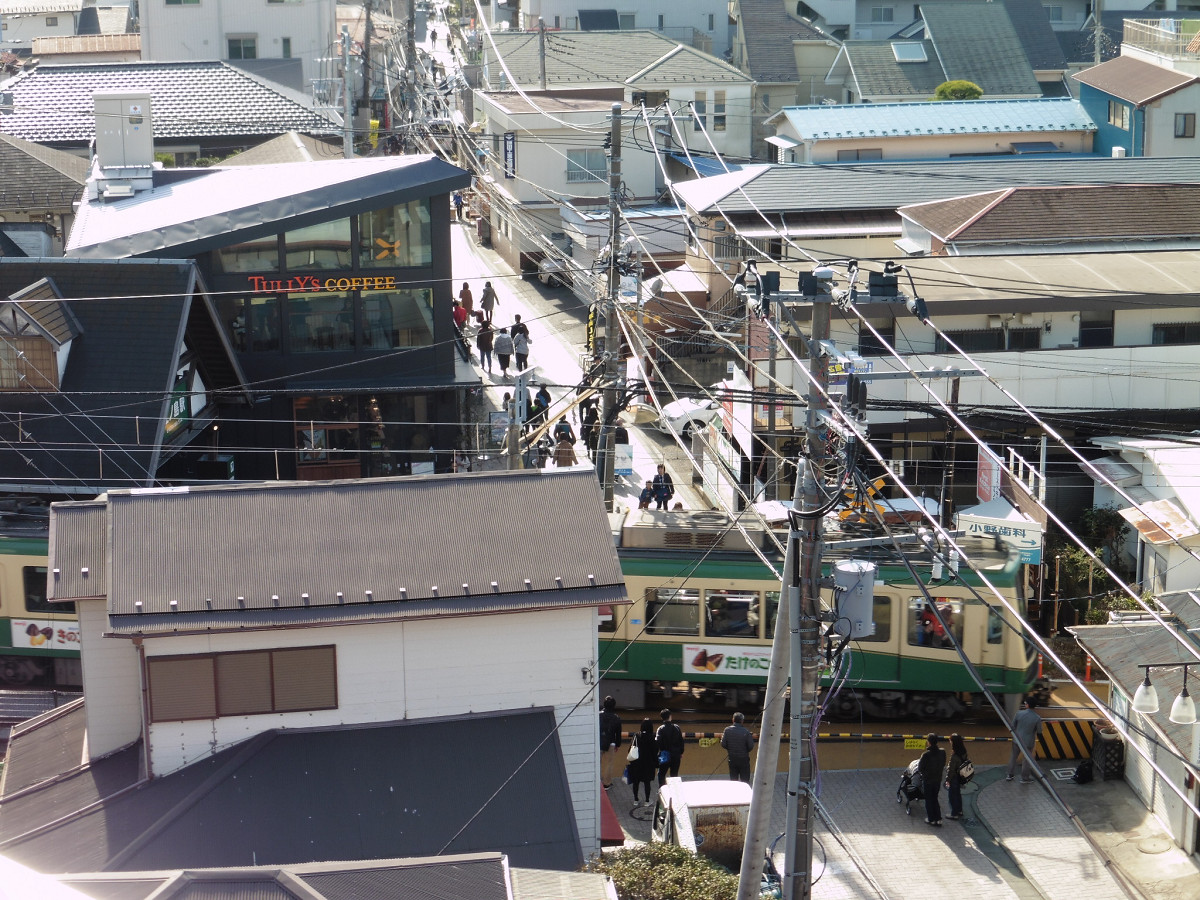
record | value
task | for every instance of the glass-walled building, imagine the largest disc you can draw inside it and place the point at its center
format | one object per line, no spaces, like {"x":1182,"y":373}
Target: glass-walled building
{"x":335,"y":290}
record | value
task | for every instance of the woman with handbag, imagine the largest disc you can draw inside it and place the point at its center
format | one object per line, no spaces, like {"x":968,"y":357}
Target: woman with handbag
{"x":643,"y":761}
{"x":954,"y":780}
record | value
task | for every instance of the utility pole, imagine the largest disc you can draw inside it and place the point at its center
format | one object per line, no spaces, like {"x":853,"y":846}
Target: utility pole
{"x":1098,"y":30}
{"x":410,"y":77}
{"x":516,"y":420}
{"x":612,"y":346}
{"x":772,"y":462}
{"x":366,"y":55}
{"x":948,"y":460}
{"x":347,"y":118}
{"x":542,"y":53}
{"x":804,"y":599}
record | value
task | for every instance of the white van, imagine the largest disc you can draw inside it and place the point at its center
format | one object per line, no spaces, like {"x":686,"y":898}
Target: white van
{"x":707,"y":817}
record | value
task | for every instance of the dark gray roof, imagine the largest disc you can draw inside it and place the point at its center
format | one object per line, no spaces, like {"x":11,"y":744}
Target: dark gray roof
{"x":189,"y":211}
{"x":800,"y":189}
{"x":878,"y":74}
{"x":34,"y":177}
{"x":391,"y":535}
{"x":196,"y":99}
{"x":494,"y":782}
{"x":1036,"y":34}
{"x":287,"y":148}
{"x":1119,"y":648}
{"x":42,"y":305}
{"x":49,"y":745}
{"x":603,"y":58}
{"x":475,"y":876}
{"x":977,"y":42}
{"x":769,"y":30}
{"x":1135,"y":80}
{"x":124,"y":359}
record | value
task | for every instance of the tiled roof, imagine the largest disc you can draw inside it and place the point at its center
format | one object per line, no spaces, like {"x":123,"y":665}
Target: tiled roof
{"x":878,"y":74}
{"x":424,"y":787}
{"x":1036,"y":34}
{"x":87,"y":43}
{"x":1079,"y":213}
{"x":36,"y":177}
{"x":1134,"y":80}
{"x":53,"y":104}
{"x":945,"y":117}
{"x":977,"y":42}
{"x":287,"y":148}
{"x":885,"y":185}
{"x":599,"y":58}
{"x":769,"y":31}
{"x":685,"y":64}
{"x":38,"y":7}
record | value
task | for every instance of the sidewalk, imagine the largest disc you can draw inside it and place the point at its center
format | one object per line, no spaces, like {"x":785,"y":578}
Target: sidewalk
{"x":1016,"y":843}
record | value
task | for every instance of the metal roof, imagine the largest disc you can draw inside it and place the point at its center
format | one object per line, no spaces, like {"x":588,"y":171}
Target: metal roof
{"x":41,"y":304}
{"x":189,"y":211}
{"x":770,"y":30}
{"x":380,"y":554}
{"x":977,"y":42}
{"x":887,"y":185}
{"x":1134,"y":80}
{"x":876,"y":72}
{"x":463,"y":784}
{"x":193,"y":99}
{"x":49,"y":745}
{"x":936,"y":118}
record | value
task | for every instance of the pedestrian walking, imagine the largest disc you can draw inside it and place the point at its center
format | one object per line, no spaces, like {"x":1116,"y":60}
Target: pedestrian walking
{"x":641,"y":770}
{"x":590,"y":431}
{"x":958,"y":756}
{"x":449,"y":36}
{"x":432,"y":37}
{"x":739,"y":744}
{"x":488,"y":300}
{"x":466,"y":298}
{"x":503,"y":345}
{"x":564,"y":454}
{"x":664,"y":487}
{"x":521,"y":342}
{"x":670,"y":747}
{"x":484,"y":341}
{"x":564,"y":432}
{"x":931,"y":766}
{"x":458,"y":206}
{"x":610,"y":740}
{"x":1026,"y":727}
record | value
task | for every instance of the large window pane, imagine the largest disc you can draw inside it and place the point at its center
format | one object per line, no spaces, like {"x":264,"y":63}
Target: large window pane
{"x":672,"y":612}
{"x":264,"y":323}
{"x":322,"y":247}
{"x":398,"y":319}
{"x":731,"y":613}
{"x":320,"y":322}
{"x":396,"y":237}
{"x":924,"y":630}
{"x":881,"y":611}
{"x":258,"y":255}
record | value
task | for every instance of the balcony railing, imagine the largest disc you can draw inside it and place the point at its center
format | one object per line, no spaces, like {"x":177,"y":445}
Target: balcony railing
{"x":1165,"y":37}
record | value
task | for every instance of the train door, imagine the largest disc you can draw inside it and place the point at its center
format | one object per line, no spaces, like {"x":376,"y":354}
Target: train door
{"x":991,"y":630}
{"x":880,"y":651}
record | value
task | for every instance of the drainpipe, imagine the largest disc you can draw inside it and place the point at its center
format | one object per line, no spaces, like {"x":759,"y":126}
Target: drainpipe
{"x":144,"y":675}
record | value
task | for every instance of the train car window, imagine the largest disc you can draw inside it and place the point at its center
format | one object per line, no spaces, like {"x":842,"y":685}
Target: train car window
{"x":881,"y":609}
{"x":772,"y":600}
{"x":35,"y":593}
{"x":731,"y":613}
{"x":924,"y":630}
{"x":672,"y":611}
{"x":608,"y":619}
{"x":995,"y":629}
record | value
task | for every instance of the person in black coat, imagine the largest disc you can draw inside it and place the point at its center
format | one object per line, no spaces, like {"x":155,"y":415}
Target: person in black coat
{"x":932,"y":765}
{"x":641,"y":770}
{"x":610,"y":739}
{"x":670,"y":738}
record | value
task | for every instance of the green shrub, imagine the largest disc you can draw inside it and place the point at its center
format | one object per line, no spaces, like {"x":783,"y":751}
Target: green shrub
{"x":659,"y":871}
{"x":958,"y":90}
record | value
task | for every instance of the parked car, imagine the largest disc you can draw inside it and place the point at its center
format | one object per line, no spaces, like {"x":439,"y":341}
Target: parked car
{"x":553,"y":272}
{"x":687,"y":414}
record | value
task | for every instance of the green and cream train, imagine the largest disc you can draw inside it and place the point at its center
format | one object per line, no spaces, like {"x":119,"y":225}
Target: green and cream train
{"x":703,"y":609}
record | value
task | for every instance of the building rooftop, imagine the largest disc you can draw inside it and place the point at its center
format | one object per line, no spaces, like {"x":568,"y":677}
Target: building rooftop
{"x":1134,"y":80}
{"x":876,"y":72}
{"x":87,"y":43}
{"x":946,"y":117}
{"x":977,"y":41}
{"x":770,"y":34}
{"x":53,"y":104}
{"x":33,"y":176}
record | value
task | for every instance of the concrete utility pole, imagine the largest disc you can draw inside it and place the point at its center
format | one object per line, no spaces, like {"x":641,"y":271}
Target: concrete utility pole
{"x":410,"y":77}
{"x":804,"y":602}
{"x":772,"y":462}
{"x":542,"y":53}
{"x":612,"y":345}
{"x":366,"y":55}
{"x":347,"y":118}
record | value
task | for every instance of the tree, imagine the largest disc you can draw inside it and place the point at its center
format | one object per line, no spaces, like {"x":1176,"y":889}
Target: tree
{"x":658,"y":871}
{"x":958,"y":90}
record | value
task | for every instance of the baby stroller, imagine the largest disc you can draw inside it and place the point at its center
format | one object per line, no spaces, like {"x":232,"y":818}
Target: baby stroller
{"x":910,"y":787}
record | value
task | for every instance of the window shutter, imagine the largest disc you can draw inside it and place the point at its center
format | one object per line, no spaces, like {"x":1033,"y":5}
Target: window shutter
{"x":305,"y":678}
{"x":181,"y":688}
{"x":244,"y":683}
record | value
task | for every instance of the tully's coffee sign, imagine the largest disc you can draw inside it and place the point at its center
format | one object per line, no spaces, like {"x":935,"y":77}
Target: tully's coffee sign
{"x":301,"y":283}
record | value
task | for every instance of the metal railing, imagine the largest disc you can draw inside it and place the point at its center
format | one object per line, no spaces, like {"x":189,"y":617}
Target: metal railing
{"x":1166,"y":37}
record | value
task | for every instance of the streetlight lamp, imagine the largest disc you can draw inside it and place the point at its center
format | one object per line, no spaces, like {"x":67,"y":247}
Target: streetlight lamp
{"x":1145,"y":699}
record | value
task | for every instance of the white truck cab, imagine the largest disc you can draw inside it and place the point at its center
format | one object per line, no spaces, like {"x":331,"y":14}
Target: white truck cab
{"x":707,"y":817}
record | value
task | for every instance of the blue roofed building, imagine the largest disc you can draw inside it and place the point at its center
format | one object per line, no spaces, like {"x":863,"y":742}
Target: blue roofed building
{"x":931,"y":130}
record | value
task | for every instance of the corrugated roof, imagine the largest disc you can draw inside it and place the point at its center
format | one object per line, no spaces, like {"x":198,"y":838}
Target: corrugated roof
{"x":946,"y":117}
{"x":78,"y":532}
{"x":599,"y":58}
{"x":977,"y":42}
{"x":542,"y":884}
{"x":483,"y":782}
{"x":287,"y":148}
{"x":49,"y":745}
{"x":189,"y":211}
{"x":770,"y":30}
{"x":53,"y":104}
{"x":1135,"y":212}
{"x":1134,"y":80}
{"x":87,"y":43}
{"x":39,"y":7}
{"x":385,"y":567}
{"x":887,"y":185}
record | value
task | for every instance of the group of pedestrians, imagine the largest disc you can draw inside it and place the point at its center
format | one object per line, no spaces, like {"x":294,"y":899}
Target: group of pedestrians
{"x":506,"y":345}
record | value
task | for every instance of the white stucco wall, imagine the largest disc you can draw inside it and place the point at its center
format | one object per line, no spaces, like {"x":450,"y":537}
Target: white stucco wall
{"x":1160,"y":124}
{"x":111,"y":683}
{"x":404,"y":671}
{"x":20,"y":29}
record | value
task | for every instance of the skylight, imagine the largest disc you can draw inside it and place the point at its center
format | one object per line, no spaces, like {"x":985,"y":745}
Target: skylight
{"x":909,"y":51}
